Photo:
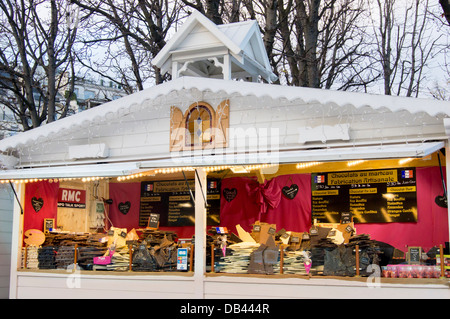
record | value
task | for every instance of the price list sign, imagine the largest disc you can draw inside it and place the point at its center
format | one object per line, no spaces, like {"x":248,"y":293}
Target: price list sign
{"x":171,"y":201}
{"x":372,"y":196}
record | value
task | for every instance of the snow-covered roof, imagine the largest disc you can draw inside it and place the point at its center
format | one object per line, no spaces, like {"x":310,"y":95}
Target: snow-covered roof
{"x":199,"y":45}
{"x":131,"y":103}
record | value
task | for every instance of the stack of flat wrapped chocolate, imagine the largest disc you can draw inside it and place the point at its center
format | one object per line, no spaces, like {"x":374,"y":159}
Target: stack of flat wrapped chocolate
{"x":293,"y":263}
{"x":238,"y":259}
{"x":65,"y":239}
{"x":64,"y":257}
{"x":86,"y":256}
{"x":221,"y":240}
{"x":319,"y":243}
{"x":332,"y":259}
{"x":46,"y":257}
{"x":120,"y":260}
{"x":363,"y":240}
{"x":142,"y":259}
{"x":95,"y":240}
{"x":264,"y":258}
{"x":32,"y":261}
{"x":162,"y":256}
{"x":329,"y":249}
{"x":339,"y":261}
{"x":165,"y":254}
{"x":369,"y":251}
{"x":156,"y":236}
{"x":257,"y":252}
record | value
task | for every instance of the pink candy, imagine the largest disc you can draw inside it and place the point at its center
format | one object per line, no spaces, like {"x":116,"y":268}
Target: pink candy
{"x":411,"y":271}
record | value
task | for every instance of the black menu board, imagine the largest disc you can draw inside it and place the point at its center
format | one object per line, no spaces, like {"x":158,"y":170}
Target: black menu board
{"x":372,"y":196}
{"x":172,"y":201}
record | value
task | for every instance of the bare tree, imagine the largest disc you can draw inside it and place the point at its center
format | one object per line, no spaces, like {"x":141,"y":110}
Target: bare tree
{"x":313,"y":43}
{"x":445,"y":4}
{"x":212,"y":9}
{"x":36,"y":42}
{"x":322,"y":44}
{"x":404,"y":44}
{"x":131,"y":33}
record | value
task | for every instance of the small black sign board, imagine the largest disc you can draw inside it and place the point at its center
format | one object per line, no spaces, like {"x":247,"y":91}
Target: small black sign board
{"x":153,"y":221}
{"x":346,"y":218}
{"x":295,"y":239}
{"x":414,"y":254}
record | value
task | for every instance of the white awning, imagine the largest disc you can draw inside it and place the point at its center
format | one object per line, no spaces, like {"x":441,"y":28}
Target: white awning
{"x":72,"y":171}
{"x":296,"y":156}
{"x":281,"y":157}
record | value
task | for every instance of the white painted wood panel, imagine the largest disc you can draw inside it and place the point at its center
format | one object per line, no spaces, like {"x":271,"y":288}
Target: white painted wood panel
{"x":38,"y":285}
{"x":197,"y":38}
{"x":6,"y":214}
{"x":108,"y":286}
{"x":316,"y":288}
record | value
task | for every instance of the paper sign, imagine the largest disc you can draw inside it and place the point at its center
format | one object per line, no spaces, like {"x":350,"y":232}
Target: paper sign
{"x":182,"y":259}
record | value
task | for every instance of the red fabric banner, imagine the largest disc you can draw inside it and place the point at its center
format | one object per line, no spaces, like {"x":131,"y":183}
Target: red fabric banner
{"x":267,"y":203}
{"x":267,"y":194}
{"x":242,"y":209}
{"x":124,"y":210}
{"x":431,"y":228}
{"x":40,"y":203}
{"x":292,"y":214}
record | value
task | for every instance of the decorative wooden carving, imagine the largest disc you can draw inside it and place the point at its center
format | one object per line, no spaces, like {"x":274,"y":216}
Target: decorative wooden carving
{"x":200,"y":127}
{"x":222,"y":124}
{"x":176,"y":129}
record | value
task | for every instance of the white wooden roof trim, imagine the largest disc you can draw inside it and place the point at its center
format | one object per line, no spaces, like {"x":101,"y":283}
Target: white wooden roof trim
{"x":242,"y":33}
{"x":236,"y":37}
{"x":58,"y":170}
{"x":128,"y":104}
{"x":238,"y":32}
{"x":191,"y":22}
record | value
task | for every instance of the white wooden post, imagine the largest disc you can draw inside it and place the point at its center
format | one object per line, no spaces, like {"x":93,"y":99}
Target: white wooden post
{"x":16,"y":240}
{"x":447,"y":177}
{"x":446,"y":123}
{"x":174,"y":70}
{"x":226,"y":67}
{"x":200,"y":233}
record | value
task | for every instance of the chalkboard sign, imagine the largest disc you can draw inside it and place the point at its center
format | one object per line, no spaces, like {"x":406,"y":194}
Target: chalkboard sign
{"x":414,"y":254}
{"x":153,"y":221}
{"x":172,"y":201}
{"x":346,"y":218}
{"x":37,"y":204}
{"x":372,"y":196}
{"x":49,"y":224}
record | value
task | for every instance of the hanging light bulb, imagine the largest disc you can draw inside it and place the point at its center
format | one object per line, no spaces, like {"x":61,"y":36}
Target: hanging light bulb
{"x":403,"y":161}
{"x":353,"y":163}
{"x":306,"y":165}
